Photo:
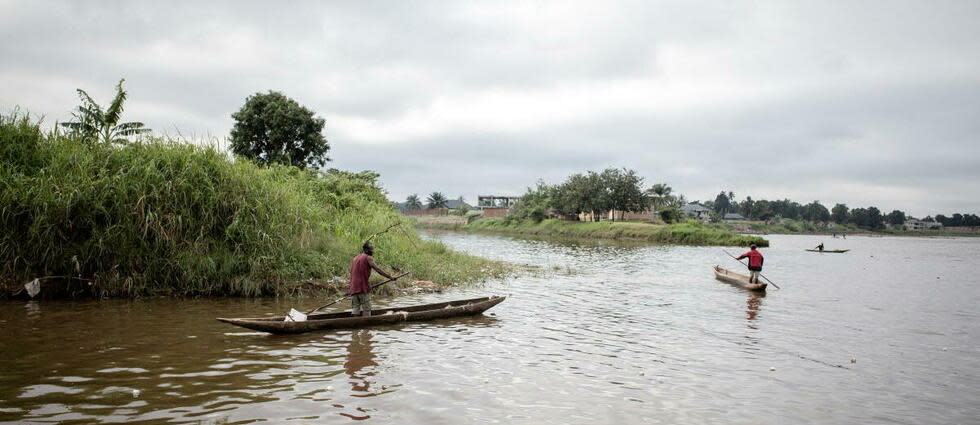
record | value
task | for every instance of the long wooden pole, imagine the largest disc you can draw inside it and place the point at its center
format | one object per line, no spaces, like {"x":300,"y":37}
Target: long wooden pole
{"x":348,"y":295}
{"x":760,"y":273}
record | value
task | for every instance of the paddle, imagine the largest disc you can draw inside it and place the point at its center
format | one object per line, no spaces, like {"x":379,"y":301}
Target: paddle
{"x":348,"y":295}
{"x":760,"y":273}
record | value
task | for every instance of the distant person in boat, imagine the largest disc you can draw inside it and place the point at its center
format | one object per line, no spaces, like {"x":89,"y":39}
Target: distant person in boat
{"x":820,"y":247}
{"x":755,"y":263}
{"x":360,"y":285}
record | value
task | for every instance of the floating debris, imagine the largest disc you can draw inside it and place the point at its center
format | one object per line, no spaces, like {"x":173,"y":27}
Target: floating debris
{"x":33,"y":287}
{"x":136,"y":393}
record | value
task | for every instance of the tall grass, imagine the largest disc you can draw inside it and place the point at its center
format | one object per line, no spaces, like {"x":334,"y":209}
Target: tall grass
{"x":161,"y":217}
{"x":688,"y":233}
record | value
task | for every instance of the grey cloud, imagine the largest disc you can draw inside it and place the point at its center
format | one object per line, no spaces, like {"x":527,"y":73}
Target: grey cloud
{"x":880,"y":94}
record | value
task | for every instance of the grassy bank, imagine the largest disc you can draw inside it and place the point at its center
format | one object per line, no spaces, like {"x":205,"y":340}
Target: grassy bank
{"x":690,"y":233}
{"x":166,"y":218}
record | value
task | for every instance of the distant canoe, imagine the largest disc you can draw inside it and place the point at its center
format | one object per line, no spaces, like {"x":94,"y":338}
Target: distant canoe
{"x":830,"y":251}
{"x":387,"y":316}
{"x":738,"y":279}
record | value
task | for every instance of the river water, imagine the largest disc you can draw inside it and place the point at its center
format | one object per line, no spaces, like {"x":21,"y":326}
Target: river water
{"x":601,"y":334}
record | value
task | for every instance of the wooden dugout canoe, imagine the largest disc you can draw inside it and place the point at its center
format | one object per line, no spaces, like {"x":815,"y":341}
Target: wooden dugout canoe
{"x":738,"y":279}
{"x":831,"y":251}
{"x":344,"y":320}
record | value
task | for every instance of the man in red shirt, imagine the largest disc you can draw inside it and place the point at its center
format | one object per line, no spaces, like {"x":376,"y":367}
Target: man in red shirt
{"x":755,"y":263}
{"x":360,"y":285}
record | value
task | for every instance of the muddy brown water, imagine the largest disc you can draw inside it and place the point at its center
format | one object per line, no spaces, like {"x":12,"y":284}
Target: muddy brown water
{"x":634,"y":334}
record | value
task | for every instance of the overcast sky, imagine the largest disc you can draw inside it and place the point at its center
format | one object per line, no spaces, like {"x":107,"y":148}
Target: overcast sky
{"x":867,"y":103}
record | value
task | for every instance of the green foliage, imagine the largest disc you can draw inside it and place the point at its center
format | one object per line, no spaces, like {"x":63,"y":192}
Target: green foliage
{"x":671,"y":215}
{"x":687,"y":233}
{"x":437,"y":200}
{"x":816,"y":212}
{"x":160,"y":217}
{"x":94,"y":123}
{"x":867,"y":218}
{"x":273,"y":129}
{"x":413,"y":202}
{"x":958,"y":219}
{"x":839,"y":214}
{"x":661,"y":196}
{"x":896,"y":218}
{"x":723,"y":204}
{"x":592,"y":192}
{"x":535,"y":203}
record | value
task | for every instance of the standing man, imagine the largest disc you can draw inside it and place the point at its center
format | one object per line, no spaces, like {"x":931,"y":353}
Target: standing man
{"x":755,"y":263}
{"x":360,"y":285}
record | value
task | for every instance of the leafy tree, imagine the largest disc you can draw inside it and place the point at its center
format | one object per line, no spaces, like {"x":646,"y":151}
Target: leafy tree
{"x":815,"y":212}
{"x":839,"y":214}
{"x":624,"y":189}
{"x":747,"y":208}
{"x":272,"y":128}
{"x":722,"y":203}
{"x":437,"y":200}
{"x":535,"y":203}
{"x":896,"y":218}
{"x":859,"y":217}
{"x":763,"y":210}
{"x":413,"y":202}
{"x":92,"y":122}
{"x":875,"y":219}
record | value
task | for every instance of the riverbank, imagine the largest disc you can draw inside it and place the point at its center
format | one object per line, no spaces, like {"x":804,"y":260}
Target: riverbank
{"x":160,"y":217}
{"x":688,"y":233}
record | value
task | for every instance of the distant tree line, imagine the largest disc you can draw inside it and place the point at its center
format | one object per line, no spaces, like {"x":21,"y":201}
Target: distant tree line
{"x":870,"y":218}
{"x":958,"y":219}
{"x":433,"y":201}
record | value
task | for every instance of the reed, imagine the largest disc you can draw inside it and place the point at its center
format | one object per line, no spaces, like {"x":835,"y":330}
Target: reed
{"x":159,"y":217}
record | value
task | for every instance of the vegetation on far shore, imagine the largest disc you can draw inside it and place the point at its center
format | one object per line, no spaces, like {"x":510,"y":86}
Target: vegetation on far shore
{"x":159,"y":217}
{"x":686,"y":233}
{"x":801,"y":227}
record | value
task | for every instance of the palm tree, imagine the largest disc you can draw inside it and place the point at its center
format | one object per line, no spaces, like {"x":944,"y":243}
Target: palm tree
{"x":660,"y":195}
{"x":412,"y":202}
{"x":437,"y":200}
{"x":94,"y":123}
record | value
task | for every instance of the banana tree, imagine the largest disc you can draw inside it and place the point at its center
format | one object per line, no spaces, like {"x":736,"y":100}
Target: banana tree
{"x":92,"y":122}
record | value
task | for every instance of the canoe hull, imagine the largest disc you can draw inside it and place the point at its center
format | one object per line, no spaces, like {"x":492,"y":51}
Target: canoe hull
{"x":387,"y":316}
{"x":830,"y":251}
{"x":738,"y":279}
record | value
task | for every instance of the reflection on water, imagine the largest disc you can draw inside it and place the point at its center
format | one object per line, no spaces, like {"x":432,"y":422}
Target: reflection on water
{"x":634,"y":334}
{"x":359,"y":356}
{"x":753,"y":302}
